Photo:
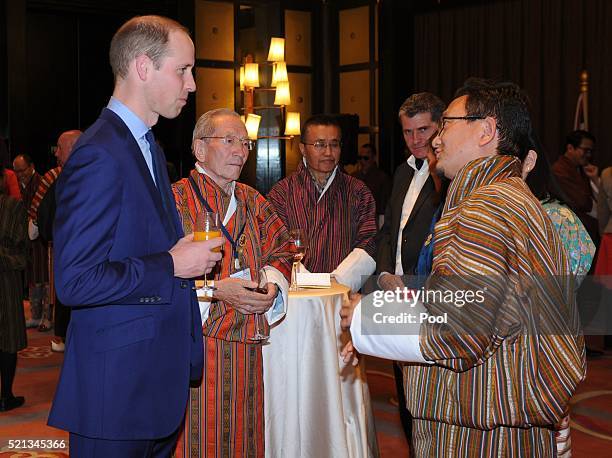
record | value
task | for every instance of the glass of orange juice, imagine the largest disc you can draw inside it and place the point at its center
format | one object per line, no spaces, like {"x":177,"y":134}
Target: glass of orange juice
{"x":206,"y":228}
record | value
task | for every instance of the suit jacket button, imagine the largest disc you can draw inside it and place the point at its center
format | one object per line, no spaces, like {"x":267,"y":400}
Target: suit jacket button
{"x":184,"y":284}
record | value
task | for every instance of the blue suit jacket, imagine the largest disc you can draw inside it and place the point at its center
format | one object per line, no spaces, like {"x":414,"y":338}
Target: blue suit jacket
{"x":135,"y":328}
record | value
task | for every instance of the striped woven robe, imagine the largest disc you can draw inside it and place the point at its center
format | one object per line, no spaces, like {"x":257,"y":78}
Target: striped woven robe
{"x":225,"y":415}
{"x":504,"y":370}
{"x":342,"y":220}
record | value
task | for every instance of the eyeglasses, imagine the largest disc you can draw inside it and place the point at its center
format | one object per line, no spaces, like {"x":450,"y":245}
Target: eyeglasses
{"x":322,"y":145}
{"x":363,"y":158}
{"x":445,"y":119}
{"x":231,"y":140}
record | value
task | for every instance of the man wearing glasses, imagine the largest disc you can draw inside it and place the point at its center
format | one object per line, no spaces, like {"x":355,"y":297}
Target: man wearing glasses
{"x":579,"y":178}
{"x":376,"y":180}
{"x":496,"y":334}
{"x":255,"y":240}
{"x":337,"y":211}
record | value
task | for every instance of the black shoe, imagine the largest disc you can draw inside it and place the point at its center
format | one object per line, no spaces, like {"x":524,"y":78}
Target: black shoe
{"x":11,"y":403}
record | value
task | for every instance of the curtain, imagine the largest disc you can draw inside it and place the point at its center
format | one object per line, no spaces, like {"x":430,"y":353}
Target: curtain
{"x":542,"y":45}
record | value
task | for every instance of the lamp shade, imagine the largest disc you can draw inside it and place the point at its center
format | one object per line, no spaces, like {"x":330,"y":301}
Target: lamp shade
{"x":242,"y":78}
{"x":292,"y":126}
{"x":251,"y":75}
{"x":279,"y":73}
{"x":282,"y":96}
{"x":277,"y":50}
{"x":252,"y":125}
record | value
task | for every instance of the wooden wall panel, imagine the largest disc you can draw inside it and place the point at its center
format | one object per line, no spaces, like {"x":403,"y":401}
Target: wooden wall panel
{"x":214,"y":30}
{"x":301,"y":88}
{"x":354,"y":35}
{"x":298,"y":38}
{"x":215,"y":89}
{"x":355,"y":95}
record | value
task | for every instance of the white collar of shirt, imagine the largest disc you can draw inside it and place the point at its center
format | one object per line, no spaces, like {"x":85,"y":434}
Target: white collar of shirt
{"x":329,"y":180}
{"x":137,"y":128}
{"x":232,"y":205}
{"x":412,"y":163}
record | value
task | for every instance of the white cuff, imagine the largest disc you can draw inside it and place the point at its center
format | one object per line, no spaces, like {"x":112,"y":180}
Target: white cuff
{"x":279,"y":308}
{"x":32,"y":230}
{"x":400,"y":347}
{"x":354,"y":270}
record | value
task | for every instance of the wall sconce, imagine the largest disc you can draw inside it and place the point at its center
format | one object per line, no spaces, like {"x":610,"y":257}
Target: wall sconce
{"x":249,"y":83}
{"x":282,"y":96}
{"x":252,"y":125}
{"x":251,"y":75}
{"x":277,"y":50}
{"x":279,"y":73}
{"x":292,"y":126}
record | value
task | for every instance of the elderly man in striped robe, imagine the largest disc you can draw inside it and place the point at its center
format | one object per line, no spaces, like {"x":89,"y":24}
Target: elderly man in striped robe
{"x":225,"y":414}
{"x":335,"y":210}
{"x":495,"y":333}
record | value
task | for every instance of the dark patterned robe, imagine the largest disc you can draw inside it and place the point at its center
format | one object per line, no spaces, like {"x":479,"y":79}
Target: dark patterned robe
{"x":38,"y":265}
{"x":342,"y":220}
{"x":13,"y":235}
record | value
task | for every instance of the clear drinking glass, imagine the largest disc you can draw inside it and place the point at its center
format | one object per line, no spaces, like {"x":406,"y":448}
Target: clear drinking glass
{"x":263,"y":289}
{"x":297,"y":247}
{"x":207,"y":228}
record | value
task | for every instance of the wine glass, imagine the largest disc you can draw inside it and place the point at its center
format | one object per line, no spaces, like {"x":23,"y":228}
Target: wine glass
{"x":262,"y":289}
{"x":207,"y":228}
{"x":297,"y":246}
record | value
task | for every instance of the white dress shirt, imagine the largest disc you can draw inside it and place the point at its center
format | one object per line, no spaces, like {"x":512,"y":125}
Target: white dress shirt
{"x":416,"y":185}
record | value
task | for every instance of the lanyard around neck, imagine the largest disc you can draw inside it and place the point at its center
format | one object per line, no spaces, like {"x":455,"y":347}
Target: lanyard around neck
{"x":226,"y":233}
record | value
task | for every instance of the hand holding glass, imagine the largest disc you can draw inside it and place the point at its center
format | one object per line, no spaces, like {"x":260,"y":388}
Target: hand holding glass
{"x":207,"y":228}
{"x":262,"y":289}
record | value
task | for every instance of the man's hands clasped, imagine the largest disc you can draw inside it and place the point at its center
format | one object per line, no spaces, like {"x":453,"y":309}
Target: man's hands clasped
{"x":241,"y":295}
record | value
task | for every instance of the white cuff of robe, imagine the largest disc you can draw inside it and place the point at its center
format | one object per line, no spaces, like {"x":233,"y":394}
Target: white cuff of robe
{"x":401,"y":347}
{"x":32,"y":230}
{"x":354,"y":270}
{"x":279,"y":308}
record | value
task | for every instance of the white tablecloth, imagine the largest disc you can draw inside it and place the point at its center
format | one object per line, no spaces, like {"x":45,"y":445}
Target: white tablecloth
{"x":315,"y":405}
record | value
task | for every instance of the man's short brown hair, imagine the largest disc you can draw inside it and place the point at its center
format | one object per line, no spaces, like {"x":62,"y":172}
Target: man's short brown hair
{"x":423,"y":102}
{"x":141,"y":35}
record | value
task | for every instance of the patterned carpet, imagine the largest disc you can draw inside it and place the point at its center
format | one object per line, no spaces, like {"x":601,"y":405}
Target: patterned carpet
{"x":38,"y":370}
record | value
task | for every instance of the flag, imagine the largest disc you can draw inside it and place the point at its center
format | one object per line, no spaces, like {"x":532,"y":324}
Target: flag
{"x":581,"y":117}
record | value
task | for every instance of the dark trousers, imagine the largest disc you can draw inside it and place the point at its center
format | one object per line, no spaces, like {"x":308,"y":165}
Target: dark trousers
{"x":87,"y":447}
{"x":62,"y":318}
{"x":404,"y":413}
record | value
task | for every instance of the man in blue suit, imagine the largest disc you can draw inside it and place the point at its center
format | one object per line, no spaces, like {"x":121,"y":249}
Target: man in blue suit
{"x":121,"y":264}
